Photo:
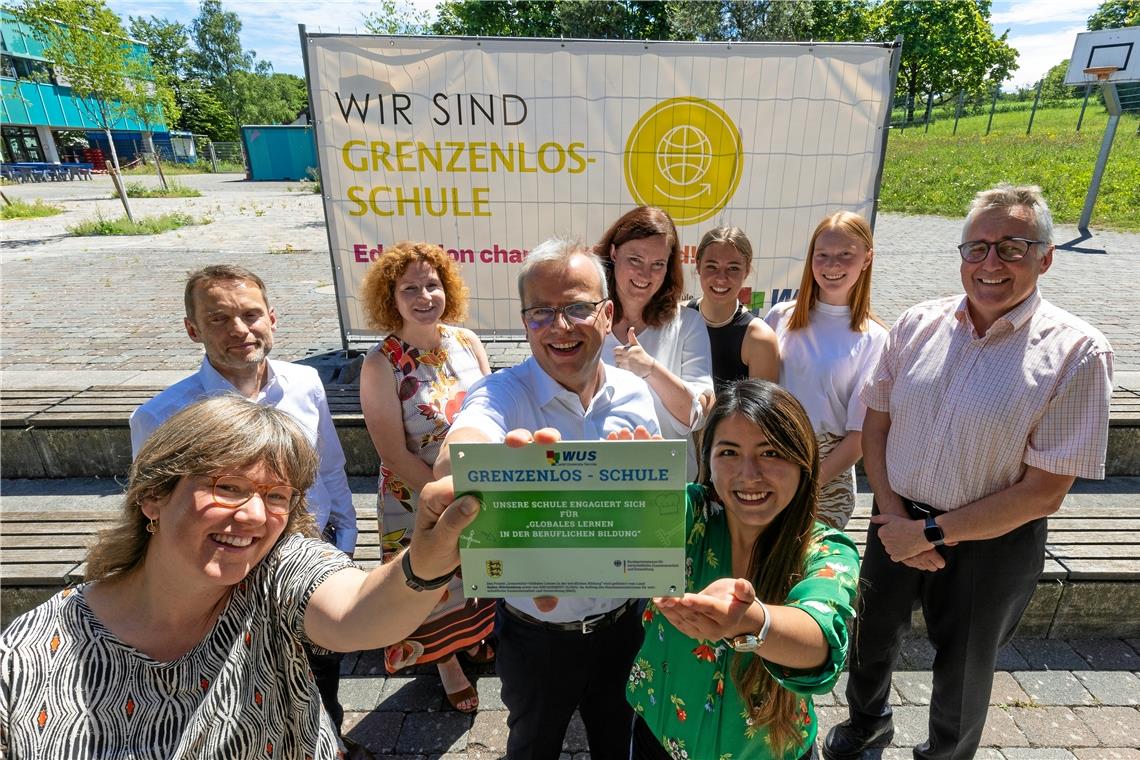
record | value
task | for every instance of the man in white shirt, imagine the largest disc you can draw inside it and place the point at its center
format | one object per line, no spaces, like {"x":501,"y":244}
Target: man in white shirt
{"x":555,"y":656}
{"x":228,"y":312}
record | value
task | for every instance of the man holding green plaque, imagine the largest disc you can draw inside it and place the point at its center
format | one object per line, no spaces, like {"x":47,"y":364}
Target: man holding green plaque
{"x":554,"y":655}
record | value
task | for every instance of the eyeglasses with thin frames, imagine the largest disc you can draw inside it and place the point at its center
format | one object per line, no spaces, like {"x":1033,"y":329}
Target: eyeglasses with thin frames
{"x":577,"y":313}
{"x":233,"y":491}
{"x":1008,"y":249}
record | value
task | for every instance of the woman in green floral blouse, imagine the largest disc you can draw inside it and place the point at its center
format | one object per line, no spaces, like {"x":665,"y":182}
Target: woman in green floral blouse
{"x":727,"y":671}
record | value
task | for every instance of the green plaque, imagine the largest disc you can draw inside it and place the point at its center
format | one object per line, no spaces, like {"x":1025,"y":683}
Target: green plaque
{"x":580,"y":518}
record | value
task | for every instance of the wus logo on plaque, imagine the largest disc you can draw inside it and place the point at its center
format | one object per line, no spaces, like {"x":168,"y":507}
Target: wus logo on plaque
{"x":596,"y":518}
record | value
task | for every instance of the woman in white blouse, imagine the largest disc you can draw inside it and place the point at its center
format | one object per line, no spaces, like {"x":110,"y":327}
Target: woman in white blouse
{"x":652,"y":335}
{"x":830,"y":343}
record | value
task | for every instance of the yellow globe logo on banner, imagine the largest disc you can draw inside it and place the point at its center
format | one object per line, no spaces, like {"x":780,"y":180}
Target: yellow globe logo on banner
{"x":684,"y":155}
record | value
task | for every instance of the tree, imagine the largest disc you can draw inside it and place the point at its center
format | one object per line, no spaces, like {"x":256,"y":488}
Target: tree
{"x":86,"y":44}
{"x":152,"y":100}
{"x":203,"y":114}
{"x":499,"y":18}
{"x":1115,"y":14}
{"x":219,"y":55}
{"x":397,"y":18}
{"x":770,"y":20}
{"x":948,"y":46}
{"x":269,"y":98}
{"x":167,"y":41}
{"x":1053,"y":86}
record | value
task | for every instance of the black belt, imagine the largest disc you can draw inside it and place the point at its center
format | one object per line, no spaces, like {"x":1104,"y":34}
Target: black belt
{"x":920,"y":511}
{"x":587,"y":625}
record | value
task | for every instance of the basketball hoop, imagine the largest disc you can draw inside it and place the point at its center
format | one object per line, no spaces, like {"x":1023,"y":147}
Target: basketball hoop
{"x":1102,"y":73}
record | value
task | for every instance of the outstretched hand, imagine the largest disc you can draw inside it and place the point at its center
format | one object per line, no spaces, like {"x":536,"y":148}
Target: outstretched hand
{"x":440,"y":518}
{"x":713,"y":613}
{"x":639,"y":433}
{"x":633,"y":358}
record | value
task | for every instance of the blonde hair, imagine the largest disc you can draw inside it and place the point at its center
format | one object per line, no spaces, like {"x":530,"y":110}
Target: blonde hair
{"x":1007,"y":196}
{"x":378,"y":289}
{"x":210,"y":436}
{"x":859,"y":297}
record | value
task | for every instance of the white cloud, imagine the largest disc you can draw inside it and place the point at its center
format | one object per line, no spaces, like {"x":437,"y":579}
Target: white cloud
{"x":1037,"y":53}
{"x":1023,"y":13}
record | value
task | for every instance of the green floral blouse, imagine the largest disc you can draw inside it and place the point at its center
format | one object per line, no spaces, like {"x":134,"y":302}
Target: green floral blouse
{"x":683,"y":688}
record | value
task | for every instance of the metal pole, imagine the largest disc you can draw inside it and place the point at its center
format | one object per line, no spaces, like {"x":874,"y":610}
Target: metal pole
{"x":1036,"y":100}
{"x":992,"y":106}
{"x":1112,"y":102}
{"x":929,"y":106}
{"x":1084,"y":104}
{"x":958,"y":110}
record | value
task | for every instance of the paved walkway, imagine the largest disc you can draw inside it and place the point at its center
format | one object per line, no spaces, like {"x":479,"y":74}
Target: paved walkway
{"x":110,"y":308}
{"x":80,"y":312}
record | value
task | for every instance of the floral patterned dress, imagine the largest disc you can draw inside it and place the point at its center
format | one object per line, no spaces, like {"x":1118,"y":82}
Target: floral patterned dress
{"x":682,"y":687}
{"x":431,"y":386}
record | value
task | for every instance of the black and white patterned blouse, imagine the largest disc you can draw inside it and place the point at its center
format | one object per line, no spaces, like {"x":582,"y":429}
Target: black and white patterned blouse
{"x":71,"y":689}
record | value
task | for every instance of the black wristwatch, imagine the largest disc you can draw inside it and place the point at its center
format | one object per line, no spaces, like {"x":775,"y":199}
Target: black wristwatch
{"x":416,"y":583}
{"x":933,"y":533}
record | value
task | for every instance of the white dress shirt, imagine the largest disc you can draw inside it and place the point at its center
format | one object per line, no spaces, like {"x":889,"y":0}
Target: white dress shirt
{"x":294,"y":389}
{"x":524,"y":396}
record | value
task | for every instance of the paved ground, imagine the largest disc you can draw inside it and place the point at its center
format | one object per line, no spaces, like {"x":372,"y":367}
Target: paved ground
{"x":111,"y":307}
{"x":78,"y":312}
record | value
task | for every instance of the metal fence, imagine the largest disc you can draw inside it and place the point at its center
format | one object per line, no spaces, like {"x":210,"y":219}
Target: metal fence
{"x":920,"y":113}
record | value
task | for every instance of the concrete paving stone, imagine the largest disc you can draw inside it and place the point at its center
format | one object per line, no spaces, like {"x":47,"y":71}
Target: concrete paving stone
{"x":910,"y":725}
{"x":575,"y":739}
{"x":825,"y":700}
{"x":1111,"y":687}
{"x":357,"y":693}
{"x":1037,"y":753}
{"x":348,"y":663}
{"x":914,"y":687}
{"x":1134,"y":643}
{"x":1107,"y":654}
{"x":468,"y":754}
{"x":917,"y":652}
{"x":370,"y":663}
{"x":1007,"y":691}
{"x":403,"y":694}
{"x":1001,"y":731}
{"x":434,"y":732}
{"x":1053,"y":687}
{"x":840,"y":688}
{"x":1114,"y":726}
{"x":489,"y":730}
{"x":1049,"y":654}
{"x":375,"y":730}
{"x":1107,"y":753}
{"x":1053,"y":727}
{"x":490,"y":693}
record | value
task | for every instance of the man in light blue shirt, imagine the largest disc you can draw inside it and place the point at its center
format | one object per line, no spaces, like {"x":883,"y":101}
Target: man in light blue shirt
{"x":576,"y":654}
{"x":228,"y":312}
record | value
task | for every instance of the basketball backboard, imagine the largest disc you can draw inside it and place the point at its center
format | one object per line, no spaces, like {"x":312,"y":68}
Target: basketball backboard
{"x":1102,"y":51}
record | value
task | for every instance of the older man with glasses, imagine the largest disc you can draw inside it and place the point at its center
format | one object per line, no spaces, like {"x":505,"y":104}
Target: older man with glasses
{"x":556,"y":656}
{"x":981,"y":413}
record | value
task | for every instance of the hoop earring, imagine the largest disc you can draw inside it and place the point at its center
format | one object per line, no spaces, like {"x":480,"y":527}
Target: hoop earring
{"x":152,"y":526}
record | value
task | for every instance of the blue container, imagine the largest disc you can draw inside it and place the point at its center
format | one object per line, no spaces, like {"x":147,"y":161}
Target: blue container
{"x":279,"y":152}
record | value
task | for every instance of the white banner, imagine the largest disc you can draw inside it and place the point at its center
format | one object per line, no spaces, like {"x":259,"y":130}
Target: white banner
{"x":489,"y":146}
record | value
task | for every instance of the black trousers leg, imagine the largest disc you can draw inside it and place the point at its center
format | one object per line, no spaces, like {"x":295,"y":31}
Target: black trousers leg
{"x":972,"y":608}
{"x":326,"y":673}
{"x":888,"y":592}
{"x":546,"y":675}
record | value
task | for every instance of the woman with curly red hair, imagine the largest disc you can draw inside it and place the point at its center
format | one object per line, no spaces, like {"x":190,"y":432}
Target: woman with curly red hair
{"x":411,"y":386}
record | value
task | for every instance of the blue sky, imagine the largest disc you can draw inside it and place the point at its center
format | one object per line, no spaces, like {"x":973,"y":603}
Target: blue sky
{"x":1042,"y":31}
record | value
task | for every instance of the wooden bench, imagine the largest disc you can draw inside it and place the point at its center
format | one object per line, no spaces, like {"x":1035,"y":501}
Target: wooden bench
{"x":1090,"y":584}
{"x":85,"y":433}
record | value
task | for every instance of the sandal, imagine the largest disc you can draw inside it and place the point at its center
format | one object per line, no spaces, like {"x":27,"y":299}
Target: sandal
{"x":483,"y":655}
{"x":462,"y":696}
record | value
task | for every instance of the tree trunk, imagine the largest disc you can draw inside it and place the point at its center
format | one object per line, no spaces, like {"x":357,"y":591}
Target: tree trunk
{"x":117,"y":179}
{"x":157,"y":160}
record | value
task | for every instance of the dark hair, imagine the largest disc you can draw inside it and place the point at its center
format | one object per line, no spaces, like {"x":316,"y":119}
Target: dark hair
{"x":779,"y":554}
{"x":644,"y":222}
{"x":219,"y":273}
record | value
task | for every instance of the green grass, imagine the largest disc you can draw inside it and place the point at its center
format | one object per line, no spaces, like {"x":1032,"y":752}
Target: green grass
{"x":20,"y":209}
{"x":151,"y":225}
{"x":202,"y":167}
{"x":175,"y":190}
{"x":939,"y":172}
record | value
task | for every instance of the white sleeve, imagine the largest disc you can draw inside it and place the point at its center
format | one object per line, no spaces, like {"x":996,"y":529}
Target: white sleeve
{"x":342,"y":513}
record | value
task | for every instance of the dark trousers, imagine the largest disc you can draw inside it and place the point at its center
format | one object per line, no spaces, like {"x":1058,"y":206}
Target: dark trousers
{"x":971,"y":607}
{"x":548,"y":674}
{"x":326,"y":674}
